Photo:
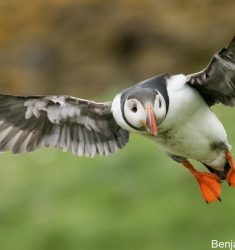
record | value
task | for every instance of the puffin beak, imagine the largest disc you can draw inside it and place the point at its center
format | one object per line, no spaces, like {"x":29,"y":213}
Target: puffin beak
{"x":151,"y":120}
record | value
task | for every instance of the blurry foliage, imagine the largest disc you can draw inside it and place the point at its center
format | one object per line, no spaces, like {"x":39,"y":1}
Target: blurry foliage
{"x":137,"y":199}
{"x":63,"y":46}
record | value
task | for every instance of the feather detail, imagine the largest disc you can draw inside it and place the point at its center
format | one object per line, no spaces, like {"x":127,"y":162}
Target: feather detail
{"x":71,"y":124}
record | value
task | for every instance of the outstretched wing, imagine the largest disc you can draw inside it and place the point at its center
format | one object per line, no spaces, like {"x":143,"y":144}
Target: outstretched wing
{"x":216,"y":83}
{"x":81,"y":126}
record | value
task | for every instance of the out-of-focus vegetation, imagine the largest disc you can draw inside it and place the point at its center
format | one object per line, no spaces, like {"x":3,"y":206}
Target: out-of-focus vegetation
{"x":137,"y":199}
{"x":58,"y":46}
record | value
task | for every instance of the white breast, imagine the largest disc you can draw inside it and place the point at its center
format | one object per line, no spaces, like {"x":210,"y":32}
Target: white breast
{"x":190,"y":127}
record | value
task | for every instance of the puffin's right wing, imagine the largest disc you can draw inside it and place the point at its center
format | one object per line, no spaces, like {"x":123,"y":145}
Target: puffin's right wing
{"x":81,"y":126}
{"x":216,"y":83}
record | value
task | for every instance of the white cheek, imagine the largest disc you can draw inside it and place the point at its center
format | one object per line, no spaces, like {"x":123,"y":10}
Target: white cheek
{"x":117,"y":114}
{"x":160,"y":112}
{"x":135,"y":119}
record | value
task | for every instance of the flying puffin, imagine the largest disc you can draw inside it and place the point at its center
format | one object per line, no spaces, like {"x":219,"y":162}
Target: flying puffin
{"x":174,"y":110}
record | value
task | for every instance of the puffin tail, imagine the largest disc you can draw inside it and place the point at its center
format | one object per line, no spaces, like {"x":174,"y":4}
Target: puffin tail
{"x":221,"y":174}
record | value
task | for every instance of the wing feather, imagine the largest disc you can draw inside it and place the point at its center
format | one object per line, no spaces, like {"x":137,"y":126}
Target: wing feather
{"x":216,"y":83}
{"x":80,"y":126}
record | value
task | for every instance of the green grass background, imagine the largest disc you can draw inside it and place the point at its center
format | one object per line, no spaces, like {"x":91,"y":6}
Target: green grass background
{"x":138,"y":199}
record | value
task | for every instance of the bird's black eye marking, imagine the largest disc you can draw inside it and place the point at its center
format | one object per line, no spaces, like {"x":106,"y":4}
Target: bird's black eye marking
{"x":160,"y":103}
{"x":134,"y":109}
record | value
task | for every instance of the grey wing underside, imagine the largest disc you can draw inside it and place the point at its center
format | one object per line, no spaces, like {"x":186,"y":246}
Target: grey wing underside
{"x":80,"y":126}
{"x":216,"y":83}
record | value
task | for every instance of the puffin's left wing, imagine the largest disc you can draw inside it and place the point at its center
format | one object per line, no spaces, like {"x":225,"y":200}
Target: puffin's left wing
{"x":81,"y":126}
{"x":216,"y":83}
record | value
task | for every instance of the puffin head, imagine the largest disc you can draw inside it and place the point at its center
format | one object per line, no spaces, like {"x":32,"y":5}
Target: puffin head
{"x":144,"y":109}
{"x":140,"y":109}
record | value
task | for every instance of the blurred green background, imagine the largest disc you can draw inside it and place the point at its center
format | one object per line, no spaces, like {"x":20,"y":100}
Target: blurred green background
{"x":138,"y":199}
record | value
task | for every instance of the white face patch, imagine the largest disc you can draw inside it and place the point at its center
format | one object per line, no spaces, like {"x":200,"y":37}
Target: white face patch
{"x":159,"y":107}
{"x":117,"y":113}
{"x":134,"y":113}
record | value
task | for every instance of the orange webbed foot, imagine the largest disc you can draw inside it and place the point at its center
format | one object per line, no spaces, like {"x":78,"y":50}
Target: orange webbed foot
{"x":231,"y":177}
{"x":231,"y":173}
{"x":210,"y":186}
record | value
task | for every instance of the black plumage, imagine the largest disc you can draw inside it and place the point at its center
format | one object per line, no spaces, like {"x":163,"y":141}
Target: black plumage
{"x":216,"y":83}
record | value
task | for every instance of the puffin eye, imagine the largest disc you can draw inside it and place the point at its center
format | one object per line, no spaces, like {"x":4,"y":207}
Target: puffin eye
{"x":134,"y":109}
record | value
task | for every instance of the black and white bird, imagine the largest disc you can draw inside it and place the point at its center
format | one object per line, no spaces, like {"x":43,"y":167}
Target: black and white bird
{"x":173,"y":109}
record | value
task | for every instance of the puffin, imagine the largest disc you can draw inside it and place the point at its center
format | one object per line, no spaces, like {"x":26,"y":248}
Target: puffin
{"x":173,"y":110}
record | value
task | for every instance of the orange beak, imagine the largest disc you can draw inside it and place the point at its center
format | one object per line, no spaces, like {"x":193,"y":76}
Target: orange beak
{"x":151,"y":120}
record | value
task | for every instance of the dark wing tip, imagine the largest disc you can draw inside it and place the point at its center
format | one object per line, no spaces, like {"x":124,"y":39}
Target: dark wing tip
{"x":231,"y":46}
{"x":229,"y":52}
{"x":216,"y":83}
